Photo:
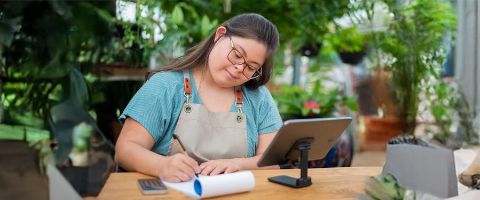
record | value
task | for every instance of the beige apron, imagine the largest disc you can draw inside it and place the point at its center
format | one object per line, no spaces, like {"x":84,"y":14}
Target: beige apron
{"x":209,"y":135}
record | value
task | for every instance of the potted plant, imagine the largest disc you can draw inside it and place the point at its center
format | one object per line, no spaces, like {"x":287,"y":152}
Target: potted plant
{"x":409,"y":50}
{"x":318,"y":101}
{"x":48,"y":48}
{"x":349,"y":43}
{"x":311,"y":49}
{"x":295,"y":102}
{"x":405,"y":51}
{"x":415,"y":40}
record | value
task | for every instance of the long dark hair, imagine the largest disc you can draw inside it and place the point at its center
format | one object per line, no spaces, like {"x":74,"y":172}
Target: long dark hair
{"x":253,"y":26}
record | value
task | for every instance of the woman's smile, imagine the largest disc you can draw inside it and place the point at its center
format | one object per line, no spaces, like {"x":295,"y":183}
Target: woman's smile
{"x":231,"y":75}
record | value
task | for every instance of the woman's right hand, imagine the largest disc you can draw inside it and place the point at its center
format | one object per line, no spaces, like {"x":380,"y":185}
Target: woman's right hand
{"x":178,"y":168}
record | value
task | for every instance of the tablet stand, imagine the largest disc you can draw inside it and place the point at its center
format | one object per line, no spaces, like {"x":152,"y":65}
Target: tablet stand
{"x":302,"y":145}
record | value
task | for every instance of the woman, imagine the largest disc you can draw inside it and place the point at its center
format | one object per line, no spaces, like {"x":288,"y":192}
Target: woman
{"x":212,"y":99}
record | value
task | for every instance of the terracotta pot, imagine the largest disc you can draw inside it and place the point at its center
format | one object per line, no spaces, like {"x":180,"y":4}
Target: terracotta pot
{"x":378,"y":131}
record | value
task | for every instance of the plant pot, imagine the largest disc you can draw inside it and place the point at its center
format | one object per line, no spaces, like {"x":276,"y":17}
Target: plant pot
{"x":352,"y":58}
{"x":311,"y":49}
{"x":378,"y":131}
{"x":20,"y":174}
{"x":79,"y":159}
{"x":88,"y":180}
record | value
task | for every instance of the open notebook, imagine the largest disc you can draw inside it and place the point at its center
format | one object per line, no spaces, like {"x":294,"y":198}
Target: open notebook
{"x":210,"y":186}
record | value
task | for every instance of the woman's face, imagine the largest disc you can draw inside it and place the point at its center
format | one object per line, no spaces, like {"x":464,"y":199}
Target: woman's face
{"x":231,"y":67}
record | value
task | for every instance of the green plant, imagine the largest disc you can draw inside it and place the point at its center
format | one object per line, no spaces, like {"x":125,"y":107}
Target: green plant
{"x":164,"y":29}
{"x":415,"y":39}
{"x":443,"y":100}
{"x":384,"y":186}
{"x":42,"y":47}
{"x":296,"y":102}
{"x":46,"y":47}
{"x":302,"y":23}
{"x":347,"y":40}
{"x":447,"y":105}
{"x":411,"y":47}
{"x":81,"y":134}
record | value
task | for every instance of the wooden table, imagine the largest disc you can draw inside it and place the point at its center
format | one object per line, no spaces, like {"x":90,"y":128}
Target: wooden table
{"x":328,"y":183}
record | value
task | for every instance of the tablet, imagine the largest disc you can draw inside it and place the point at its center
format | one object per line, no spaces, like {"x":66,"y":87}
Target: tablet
{"x":322,"y":132}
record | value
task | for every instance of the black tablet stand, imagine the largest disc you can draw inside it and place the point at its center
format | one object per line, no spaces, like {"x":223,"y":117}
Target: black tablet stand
{"x":303,"y":146}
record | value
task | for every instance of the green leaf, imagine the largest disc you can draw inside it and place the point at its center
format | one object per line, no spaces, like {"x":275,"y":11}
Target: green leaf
{"x":305,"y":111}
{"x":205,"y":26}
{"x":177,"y":15}
{"x":32,"y":135}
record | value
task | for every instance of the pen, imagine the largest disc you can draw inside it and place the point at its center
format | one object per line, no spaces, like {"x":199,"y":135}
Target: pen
{"x":182,"y":148}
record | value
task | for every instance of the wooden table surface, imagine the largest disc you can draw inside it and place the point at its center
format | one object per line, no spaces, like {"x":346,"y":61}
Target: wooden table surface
{"x":328,"y":183}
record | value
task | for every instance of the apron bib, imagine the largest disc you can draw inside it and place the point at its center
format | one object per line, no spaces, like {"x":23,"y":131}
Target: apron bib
{"x":209,"y":135}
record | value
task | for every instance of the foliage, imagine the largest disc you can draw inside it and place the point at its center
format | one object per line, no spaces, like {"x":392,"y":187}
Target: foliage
{"x":296,"y":102}
{"x":42,"y":59}
{"x":384,"y":186}
{"x":415,"y":39}
{"x":180,"y":24}
{"x":447,"y":105}
{"x":442,"y":100}
{"x":47,"y":47}
{"x":411,"y":47}
{"x":299,"y":22}
{"x":347,"y":40}
{"x":80,"y":137}
{"x":30,"y":135}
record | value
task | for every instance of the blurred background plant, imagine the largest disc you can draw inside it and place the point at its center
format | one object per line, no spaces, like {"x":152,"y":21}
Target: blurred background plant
{"x":349,"y":43}
{"x":347,"y":39}
{"x":295,"y":102}
{"x":40,"y":60}
{"x":416,"y":39}
{"x":81,"y":142}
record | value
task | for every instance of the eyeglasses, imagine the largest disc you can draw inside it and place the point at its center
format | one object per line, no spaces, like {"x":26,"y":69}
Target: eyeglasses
{"x":236,"y":58}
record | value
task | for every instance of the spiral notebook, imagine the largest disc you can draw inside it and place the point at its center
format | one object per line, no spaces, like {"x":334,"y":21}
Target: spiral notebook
{"x":211,"y":186}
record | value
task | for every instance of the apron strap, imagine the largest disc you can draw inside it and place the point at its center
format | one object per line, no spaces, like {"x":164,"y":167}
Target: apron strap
{"x":239,"y":101}
{"x":238,"y":95}
{"x":186,"y":83}
{"x":187,"y":91}
{"x":238,"y":98}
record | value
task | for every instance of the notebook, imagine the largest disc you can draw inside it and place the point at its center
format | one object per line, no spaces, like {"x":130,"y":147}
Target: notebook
{"x":211,"y":186}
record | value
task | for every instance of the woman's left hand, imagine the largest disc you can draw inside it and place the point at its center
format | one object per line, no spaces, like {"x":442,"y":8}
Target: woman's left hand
{"x":215,"y":167}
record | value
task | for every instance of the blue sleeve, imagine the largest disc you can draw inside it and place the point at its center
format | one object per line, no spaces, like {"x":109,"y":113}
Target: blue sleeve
{"x":149,"y":107}
{"x":270,"y":120}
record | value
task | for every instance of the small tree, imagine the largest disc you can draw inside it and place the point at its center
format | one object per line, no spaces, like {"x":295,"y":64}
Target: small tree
{"x":415,"y":40}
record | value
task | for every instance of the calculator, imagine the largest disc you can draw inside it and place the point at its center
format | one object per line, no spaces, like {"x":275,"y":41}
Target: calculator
{"x":152,"y":186}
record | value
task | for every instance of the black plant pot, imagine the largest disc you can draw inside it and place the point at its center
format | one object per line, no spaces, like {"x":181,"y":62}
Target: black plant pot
{"x":89,"y":180}
{"x":311,"y":49}
{"x":353,"y":58}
